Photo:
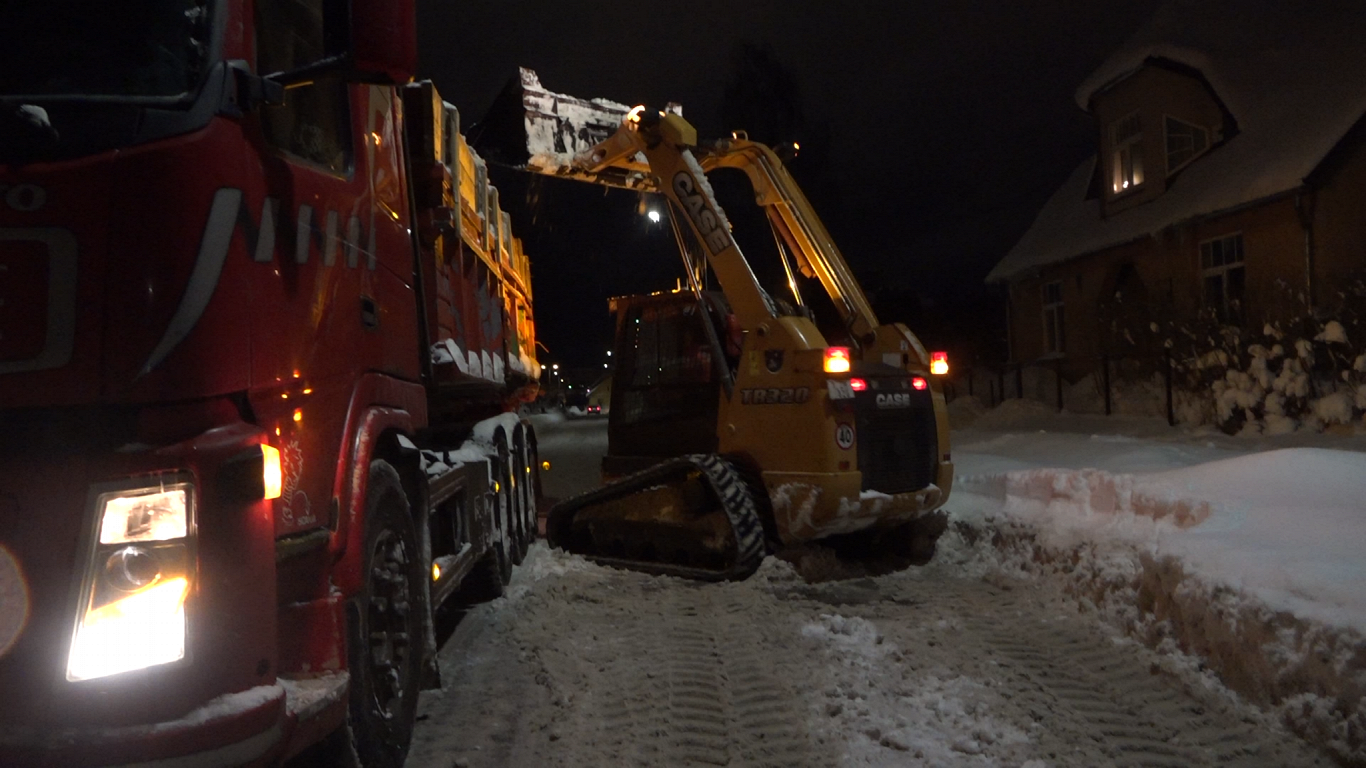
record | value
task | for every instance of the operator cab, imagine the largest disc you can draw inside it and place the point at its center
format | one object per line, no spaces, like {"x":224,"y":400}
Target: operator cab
{"x":670,"y":352}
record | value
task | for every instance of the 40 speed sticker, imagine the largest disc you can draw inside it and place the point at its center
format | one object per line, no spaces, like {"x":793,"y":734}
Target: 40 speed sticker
{"x":844,"y":436}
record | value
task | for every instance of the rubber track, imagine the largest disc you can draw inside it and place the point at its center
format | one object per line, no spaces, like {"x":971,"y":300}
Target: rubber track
{"x":728,"y":486}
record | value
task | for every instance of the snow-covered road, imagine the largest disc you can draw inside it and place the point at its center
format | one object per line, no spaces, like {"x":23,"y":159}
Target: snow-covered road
{"x":1043,"y":634}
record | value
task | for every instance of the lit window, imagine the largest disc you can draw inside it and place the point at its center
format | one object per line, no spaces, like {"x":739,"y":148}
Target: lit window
{"x":1184,"y":142}
{"x":1126,"y":136}
{"x":1054,"y":338}
{"x":1221,"y":266}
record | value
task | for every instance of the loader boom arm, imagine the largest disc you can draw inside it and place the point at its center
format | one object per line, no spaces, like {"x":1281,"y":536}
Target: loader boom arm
{"x":794,"y":218}
{"x":665,"y":140}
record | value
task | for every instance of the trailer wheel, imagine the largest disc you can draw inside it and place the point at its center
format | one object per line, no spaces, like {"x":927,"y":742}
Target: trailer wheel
{"x":532,"y":490}
{"x":525,"y":490}
{"x":385,"y":627}
{"x":509,"y":511}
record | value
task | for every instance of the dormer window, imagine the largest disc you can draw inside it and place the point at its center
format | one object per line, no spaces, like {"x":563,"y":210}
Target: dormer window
{"x":1185,"y":142}
{"x":1126,"y":136}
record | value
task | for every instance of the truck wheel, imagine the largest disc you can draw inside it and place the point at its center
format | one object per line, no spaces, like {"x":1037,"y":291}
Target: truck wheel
{"x":385,"y":627}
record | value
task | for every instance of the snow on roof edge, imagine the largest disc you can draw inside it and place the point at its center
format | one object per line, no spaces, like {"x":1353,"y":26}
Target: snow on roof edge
{"x":1126,"y":63}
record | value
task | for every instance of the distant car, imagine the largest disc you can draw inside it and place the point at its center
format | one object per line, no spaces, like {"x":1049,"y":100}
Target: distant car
{"x":593,"y":409}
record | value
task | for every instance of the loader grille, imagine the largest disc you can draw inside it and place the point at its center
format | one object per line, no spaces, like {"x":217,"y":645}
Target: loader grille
{"x":896,"y":445}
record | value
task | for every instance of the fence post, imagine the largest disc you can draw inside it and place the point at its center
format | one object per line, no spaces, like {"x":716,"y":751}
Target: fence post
{"x":1171,"y":412}
{"x":1019,"y":380}
{"x":1105,"y":379}
{"x":1057,"y":377}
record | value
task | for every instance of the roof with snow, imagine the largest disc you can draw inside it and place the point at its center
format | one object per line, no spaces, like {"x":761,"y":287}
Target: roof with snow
{"x":1292,"y":74}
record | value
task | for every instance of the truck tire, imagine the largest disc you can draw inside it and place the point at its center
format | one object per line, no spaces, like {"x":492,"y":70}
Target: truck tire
{"x":384,"y":626}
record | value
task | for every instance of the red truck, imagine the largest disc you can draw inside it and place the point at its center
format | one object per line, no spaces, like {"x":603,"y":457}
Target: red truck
{"x":263,"y":334}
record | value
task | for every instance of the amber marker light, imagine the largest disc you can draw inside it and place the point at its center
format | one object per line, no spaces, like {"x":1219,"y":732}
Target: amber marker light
{"x":836,"y":359}
{"x":271,"y":475}
{"x":545,"y":465}
{"x":939,"y":363}
{"x":298,"y":415}
{"x":436,"y":572}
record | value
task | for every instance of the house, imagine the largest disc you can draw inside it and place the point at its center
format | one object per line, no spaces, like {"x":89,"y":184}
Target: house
{"x":1229,"y":182}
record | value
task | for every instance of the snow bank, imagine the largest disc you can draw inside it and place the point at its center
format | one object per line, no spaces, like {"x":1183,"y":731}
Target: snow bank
{"x":1252,"y":563}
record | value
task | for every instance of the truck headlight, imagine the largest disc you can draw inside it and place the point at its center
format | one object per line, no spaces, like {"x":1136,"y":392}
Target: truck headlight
{"x":132,"y":604}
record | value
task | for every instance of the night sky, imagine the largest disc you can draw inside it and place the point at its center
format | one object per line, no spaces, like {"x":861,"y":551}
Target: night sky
{"x":931,"y":134}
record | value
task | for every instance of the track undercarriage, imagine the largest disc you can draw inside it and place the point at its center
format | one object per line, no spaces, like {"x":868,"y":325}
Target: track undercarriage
{"x":693,"y":516}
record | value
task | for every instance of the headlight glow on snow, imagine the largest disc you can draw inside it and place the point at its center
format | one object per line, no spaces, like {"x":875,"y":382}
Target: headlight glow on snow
{"x":131,"y":613}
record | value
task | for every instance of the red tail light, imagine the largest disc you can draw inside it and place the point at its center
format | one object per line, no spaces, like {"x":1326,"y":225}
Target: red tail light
{"x":858,"y":385}
{"x":939,"y":363}
{"x":918,"y":383}
{"x":836,"y":359}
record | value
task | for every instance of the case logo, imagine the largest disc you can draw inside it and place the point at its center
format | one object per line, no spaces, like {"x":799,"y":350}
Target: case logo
{"x":703,"y":217}
{"x":893,"y":400}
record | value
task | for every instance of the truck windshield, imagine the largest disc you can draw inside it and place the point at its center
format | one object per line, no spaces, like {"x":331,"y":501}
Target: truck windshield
{"x":129,"y":48}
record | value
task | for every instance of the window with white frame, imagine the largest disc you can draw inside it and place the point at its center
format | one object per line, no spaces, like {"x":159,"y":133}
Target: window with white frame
{"x":1126,"y":165}
{"x":1185,"y":141}
{"x":1054,"y":339}
{"x":1221,"y":267}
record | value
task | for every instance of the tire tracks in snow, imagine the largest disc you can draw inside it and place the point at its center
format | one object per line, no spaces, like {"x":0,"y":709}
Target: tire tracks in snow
{"x":1093,"y":701}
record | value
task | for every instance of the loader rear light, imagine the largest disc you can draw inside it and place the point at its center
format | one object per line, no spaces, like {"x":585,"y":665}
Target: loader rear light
{"x":272,"y":476}
{"x":918,"y":383}
{"x":837,"y":360}
{"x":939,"y":363}
{"x":858,"y":385}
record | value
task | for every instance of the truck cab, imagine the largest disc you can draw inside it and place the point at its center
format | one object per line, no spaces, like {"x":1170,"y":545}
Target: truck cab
{"x":220,"y":376}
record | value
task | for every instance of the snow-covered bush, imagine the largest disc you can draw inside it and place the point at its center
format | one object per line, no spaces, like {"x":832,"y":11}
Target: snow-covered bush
{"x":1304,"y":372}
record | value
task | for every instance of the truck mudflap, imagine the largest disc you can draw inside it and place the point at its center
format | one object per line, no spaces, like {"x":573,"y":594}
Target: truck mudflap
{"x":693,"y":517}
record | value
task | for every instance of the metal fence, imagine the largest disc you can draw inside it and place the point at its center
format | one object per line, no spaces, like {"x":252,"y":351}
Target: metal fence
{"x":1010,"y":380}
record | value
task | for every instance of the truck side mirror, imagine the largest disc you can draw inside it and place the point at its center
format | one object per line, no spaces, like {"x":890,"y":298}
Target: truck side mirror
{"x":384,"y":39}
